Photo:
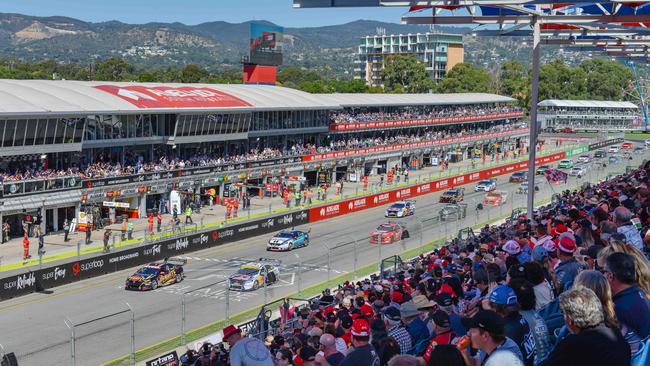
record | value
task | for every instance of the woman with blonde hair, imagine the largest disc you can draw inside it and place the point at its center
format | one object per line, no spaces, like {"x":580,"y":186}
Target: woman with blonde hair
{"x":595,"y":281}
{"x":640,"y":262}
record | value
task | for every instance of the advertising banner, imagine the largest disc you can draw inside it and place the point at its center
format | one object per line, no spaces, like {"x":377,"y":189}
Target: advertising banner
{"x":399,"y":147}
{"x":77,"y":270}
{"x":169,"y":359}
{"x":266,"y":44}
{"x":419,"y":122}
{"x":601,"y":144}
{"x":173,"y":97}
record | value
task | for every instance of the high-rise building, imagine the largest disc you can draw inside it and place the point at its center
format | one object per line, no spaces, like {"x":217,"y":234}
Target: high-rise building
{"x":439,"y":51}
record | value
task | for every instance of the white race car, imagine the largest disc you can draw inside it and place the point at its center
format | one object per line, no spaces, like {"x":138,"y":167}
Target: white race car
{"x":400,"y":209}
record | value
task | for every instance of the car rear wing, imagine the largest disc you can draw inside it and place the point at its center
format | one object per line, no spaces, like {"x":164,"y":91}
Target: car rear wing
{"x":176,"y":261}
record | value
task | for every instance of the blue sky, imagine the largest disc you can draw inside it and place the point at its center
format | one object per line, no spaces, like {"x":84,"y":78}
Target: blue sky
{"x":197,"y":11}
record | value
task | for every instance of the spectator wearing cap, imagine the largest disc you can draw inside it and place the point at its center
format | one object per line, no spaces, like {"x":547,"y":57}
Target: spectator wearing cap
{"x":393,"y":321}
{"x":503,"y":301}
{"x":526,"y":299}
{"x":486,"y":333}
{"x":246,"y":351}
{"x":415,"y":326}
{"x":568,"y":267}
{"x":443,"y":333}
{"x":631,"y":304}
{"x":623,"y":220}
{"x":591,"y":343}
{"x":364,"y":353}
{"x":329,"y":355}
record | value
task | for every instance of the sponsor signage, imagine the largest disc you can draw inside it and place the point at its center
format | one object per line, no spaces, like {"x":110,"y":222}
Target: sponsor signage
{"x":601,"y":144}
{"x":170,"y":359}
{"x":116,"y":204}
{"x":419,"y":122}
{"x":62,"y":274}
{"x":173,"y":97}
{"x":415,"y":145}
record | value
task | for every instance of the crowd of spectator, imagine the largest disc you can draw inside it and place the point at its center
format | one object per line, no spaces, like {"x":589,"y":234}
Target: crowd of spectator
{"x":423,"y":112}
{"x":105,"y":167}
{"x":569,"y":286}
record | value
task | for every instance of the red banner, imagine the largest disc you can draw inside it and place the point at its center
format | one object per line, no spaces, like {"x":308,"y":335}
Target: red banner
{"x":380,"y":199}
{"x":419,"y":122}
{"x":388,"y":148}
{"x":173,"y":97}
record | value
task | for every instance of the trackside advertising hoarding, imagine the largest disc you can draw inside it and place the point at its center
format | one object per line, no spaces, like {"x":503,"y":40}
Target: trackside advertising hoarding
{"x":379,"y":199}
{"x":74,"y":271}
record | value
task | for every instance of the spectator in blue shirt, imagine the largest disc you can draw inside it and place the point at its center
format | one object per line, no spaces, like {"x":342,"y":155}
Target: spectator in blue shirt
{"x":415,"y":326}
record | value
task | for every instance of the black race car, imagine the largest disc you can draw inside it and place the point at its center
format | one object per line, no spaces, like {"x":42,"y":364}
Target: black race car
{"x":156,"y":274}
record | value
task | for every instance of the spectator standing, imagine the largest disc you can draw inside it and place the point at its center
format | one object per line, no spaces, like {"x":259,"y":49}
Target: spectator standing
{"x":107,"y":237}
{"x":526,"y":299}
{"x":88,"y":233}
{"x":26,"y":255}
{"x":66,"y":230}
{"x":129,"y":229}
{"x":362,"y":354}
{"x":245,"y":351}
{"x":5,"y":232}
{"x":188,"y":214}
{"x":41,"y":240}
{"x":123,"y":230}
{"x":415,"y":327}
{"x":591,"y":343}
{"x":330,"y":355}
{"x":631,"y":304}
{"x":158,"y":222}
{"x":150,"y":223}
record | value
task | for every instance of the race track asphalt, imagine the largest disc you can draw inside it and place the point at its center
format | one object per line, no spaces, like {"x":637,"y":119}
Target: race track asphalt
{"x":33,"y":326}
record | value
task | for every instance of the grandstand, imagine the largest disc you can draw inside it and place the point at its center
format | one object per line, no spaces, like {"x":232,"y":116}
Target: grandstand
{"x":71,"y":146}
{"x":589,"y":115}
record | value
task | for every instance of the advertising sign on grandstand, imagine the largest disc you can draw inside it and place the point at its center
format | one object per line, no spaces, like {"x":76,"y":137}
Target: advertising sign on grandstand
{"x":419,"y":121}
{"x":173,"y":97}
{"x":266,"y":44}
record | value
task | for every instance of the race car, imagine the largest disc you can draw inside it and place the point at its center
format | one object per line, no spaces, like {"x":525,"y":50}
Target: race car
{"x":287,"y":240}
{"x":540,"y":170}
{"x":486,"y":185}
{"x":254,"y":275}
{"x":388,"y":233}
{"x":613,"y":149}
{"x":453,"y":212}
{"x":156,"y":274}
{"x":400,"y":209}
{"x":626,"y":146}
{"x":519,"y":177}
{"x":600,"y":154}
{"x":565,"y":164}
{"x":495,"y":198}
{"x":453,"y":195}
{"x":584,"y":158}
{"x":578,"y":171}
{"x":523,"y":188}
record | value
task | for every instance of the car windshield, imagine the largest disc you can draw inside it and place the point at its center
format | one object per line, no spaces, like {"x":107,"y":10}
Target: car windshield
{"x":247,"y":271}
{"x":147,"y":271}
{"x":385,"y":227}
{"x":484,"y":182}
{"x":450,"y":208}
{"x":397,"y":205}
{"x":452,"y":193}
{"x":284,"y":234}
{"x":494,"y":194}
{"x":520,"y":174}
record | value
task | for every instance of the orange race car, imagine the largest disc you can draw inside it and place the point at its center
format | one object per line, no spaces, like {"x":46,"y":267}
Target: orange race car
{"x":388,"y":233}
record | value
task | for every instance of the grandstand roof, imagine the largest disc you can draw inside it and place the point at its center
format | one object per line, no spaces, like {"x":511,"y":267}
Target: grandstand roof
{"x":587,"y":104}
{"x":362,"y":100}
{"x":60,"y":97}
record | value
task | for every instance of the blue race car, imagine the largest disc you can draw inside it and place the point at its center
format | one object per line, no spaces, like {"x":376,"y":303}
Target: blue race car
{"x":287,"y":240}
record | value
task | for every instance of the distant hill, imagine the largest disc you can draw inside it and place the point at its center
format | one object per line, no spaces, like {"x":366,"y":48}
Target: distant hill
{"x":217,"y":45}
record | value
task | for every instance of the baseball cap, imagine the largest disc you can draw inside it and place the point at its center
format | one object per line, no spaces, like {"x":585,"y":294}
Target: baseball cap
{"x":443,"y":299}
{"x":392,"y":313}
{"x":397,"y":297}
{"x":360,"y":328}
{"x":503,"y":295}
{"x":539,"y":252}
{"x":487,"y":320}
{"x":511,"y":247}
{"x":567,"y":245}
{"x":346,"y":322}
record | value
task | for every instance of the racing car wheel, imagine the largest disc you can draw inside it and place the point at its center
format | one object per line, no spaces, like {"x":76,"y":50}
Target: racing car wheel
{"x":154,"y":284}
{"x":271,"y":278}
{"x":405,"y":235}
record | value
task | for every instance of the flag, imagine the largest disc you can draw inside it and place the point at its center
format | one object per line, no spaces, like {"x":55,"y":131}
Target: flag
{"x":555,"y":176}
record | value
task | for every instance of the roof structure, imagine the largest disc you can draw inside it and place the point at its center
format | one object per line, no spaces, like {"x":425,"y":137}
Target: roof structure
{"x":587,"y":104}
{"x":60,"y":97}
{"x":363,"y":100}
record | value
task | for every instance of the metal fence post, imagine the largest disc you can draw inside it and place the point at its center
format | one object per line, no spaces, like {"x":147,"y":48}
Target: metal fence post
{"x":266,"y":291}
{"x":355,"y":258}
{"x":299,"y":274}
{"x":269,"y":208}
{"x":202,"y":226}
{"x":132,"y":358}
{"x":113,"y":242}
{"x":421,"y":236}
{"x":70,"y":325}
{"x":379,"y":247}
{"x":227,"y":320}
{"x":329,"y":265}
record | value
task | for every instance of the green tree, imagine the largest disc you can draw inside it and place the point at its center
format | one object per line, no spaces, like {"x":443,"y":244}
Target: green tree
{"x":405,"y":73}
{"x":192,"y":74}
{"x":114,"y":69}
{"x":605,"y":79}
{"x":465,"y":78}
